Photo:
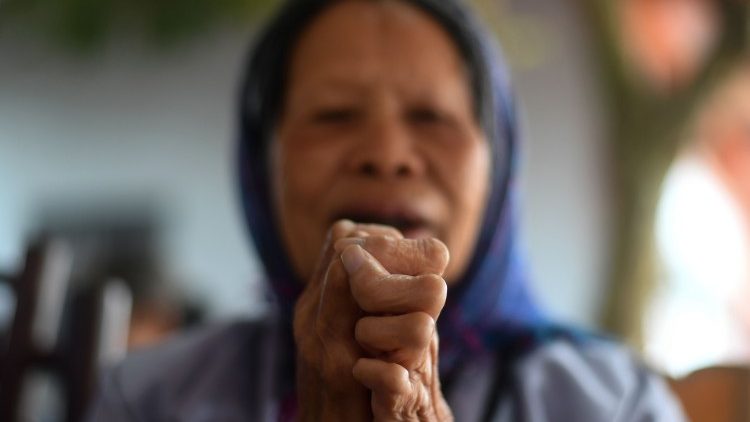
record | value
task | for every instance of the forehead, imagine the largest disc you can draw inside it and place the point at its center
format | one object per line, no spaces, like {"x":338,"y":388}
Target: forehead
{"x":360,"y":41}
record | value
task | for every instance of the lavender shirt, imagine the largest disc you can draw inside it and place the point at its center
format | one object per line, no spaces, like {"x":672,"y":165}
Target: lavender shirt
{"x":229,"y":373}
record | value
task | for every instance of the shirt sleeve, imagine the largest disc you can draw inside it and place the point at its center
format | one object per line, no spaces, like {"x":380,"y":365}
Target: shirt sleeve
{"x":591,"y":383}
{"x":109,"y":403}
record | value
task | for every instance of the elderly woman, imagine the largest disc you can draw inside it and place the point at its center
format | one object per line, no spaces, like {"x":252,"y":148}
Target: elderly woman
{"x":377,"y":153}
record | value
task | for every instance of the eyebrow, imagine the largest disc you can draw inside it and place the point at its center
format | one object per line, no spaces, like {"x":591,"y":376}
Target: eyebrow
{"x":328,"y":86}
{"x":345,"y":83}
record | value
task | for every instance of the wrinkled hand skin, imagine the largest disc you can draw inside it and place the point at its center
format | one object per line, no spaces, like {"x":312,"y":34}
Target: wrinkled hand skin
{"x":324,"y":320}
{"x":365,"y":328}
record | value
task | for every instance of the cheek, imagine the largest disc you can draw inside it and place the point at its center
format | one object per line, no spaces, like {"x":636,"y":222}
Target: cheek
{"x":303,"y":172}
{"x":476,"y":179}
{"x":300,"y":177}
{"x":469,"y":176}
{"x":292,"y":188}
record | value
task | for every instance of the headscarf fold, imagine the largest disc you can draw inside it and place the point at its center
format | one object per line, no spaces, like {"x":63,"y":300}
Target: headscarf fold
{"x":491,"y":306}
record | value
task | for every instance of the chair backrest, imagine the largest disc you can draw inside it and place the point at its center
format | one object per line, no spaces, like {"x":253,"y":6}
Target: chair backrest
{"x":716,"y":394}
{"x":40,"y":293}
{"x":65,"y":333}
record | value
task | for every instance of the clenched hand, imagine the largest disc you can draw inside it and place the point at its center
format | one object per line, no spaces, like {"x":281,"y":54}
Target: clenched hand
{"x":365,"y":328}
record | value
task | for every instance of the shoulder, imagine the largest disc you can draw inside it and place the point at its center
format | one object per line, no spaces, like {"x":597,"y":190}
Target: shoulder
{"x":193,"y":356}
{"x":590,"y":380}
{"x":194,"y":373}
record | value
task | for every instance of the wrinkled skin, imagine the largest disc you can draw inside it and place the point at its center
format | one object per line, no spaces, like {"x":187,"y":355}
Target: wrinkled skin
{"x":378,"y":126}
{"x":388,"y":291}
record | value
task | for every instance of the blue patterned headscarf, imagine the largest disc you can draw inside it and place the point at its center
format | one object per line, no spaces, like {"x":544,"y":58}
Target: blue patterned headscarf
{"x":491,"y":304}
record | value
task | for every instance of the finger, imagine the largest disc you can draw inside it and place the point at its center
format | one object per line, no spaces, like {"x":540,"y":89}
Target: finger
{"x":380,"y":230}
{"x":327,"y":298}
{"x":338,"y":361}
{"x":311,"y":299}
{"x":337,"y":311}
{"x":393,"y":396}
{"x":342,"y":244}
{"x":390,"y":333}
{"x":384,"y":379}
{"x":403,"y":256}
{"x":356,"y":234}
{"x":362,"y":231}
{"x":329,"y":312}
{"x":401,"y":339}
{"x":338,"y":230}
{"x":324,"y":324}
{"x":377,"y":291}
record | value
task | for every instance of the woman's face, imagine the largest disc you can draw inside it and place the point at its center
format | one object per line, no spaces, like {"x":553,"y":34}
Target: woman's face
{"x":378,"y":127}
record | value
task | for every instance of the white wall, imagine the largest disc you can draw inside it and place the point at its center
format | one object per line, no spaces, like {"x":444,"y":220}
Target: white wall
{"x":132,"y":124}
{"x":136,"y":123}
{"x":563,"y":179}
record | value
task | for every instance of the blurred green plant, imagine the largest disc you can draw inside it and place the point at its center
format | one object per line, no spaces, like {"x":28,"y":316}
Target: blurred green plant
{"x":526,"y":41}
{"x":86,"y":25}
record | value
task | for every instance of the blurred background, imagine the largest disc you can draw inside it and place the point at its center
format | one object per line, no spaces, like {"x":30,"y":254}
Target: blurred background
{"x":120,"y":221}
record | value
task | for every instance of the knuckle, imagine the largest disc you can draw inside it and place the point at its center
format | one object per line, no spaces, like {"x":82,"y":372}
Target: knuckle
{"x":378,"y":245}
{"x":435,"y":291}
{"x":434,"y":286}
{"x":340,"y":228}
{"x":397,"y":379}
{"x":393,"y":404}
{"x":435,"y":252}
{"x":421,"y":330}
{"x":423,"y":324}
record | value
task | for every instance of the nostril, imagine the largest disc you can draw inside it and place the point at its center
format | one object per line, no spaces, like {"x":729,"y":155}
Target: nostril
{"x":403,"y":171}
{"x":368,"y":169}
{"x":372,"y":169}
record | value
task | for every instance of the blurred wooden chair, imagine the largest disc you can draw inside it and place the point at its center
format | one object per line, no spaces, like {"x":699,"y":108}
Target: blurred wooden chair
{"x":716,"y":394}
{"x":66,"y":334}
{"x":39,"y":291}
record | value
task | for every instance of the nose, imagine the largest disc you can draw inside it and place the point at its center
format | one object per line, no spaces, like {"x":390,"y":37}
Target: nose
{"x":387,"y":150}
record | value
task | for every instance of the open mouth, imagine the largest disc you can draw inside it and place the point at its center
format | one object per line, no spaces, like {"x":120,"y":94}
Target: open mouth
{"x":410,"y":226}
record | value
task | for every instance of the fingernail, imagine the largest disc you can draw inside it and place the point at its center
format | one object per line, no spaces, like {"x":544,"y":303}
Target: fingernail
{"x":353,"y":257}
{"x":341,"y":244}
{"x":349,"y":224}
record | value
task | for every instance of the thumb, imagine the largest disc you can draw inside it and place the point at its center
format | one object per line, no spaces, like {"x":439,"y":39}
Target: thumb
{"x":360,"y":265}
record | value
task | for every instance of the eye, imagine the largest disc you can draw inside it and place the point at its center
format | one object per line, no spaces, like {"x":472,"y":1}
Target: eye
{"x":425,"y":115}
{"x":336,"y":115}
